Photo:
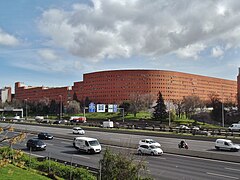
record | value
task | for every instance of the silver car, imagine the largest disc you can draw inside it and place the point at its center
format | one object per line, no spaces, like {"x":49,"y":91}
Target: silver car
{"x":149,"y":149}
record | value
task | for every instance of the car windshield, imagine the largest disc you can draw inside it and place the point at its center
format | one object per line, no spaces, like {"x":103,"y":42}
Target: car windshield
{"x":153,"y":147}
{"x":38,"y":142}
{"x":94,"y":143}
{"x":152,"y":141}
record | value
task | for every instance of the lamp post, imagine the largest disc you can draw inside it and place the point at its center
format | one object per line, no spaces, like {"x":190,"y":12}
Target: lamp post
{"x":26,"y":107}
{"x":222,"y":109}
{"x":123,"y":113}
{"x":60,"y":115}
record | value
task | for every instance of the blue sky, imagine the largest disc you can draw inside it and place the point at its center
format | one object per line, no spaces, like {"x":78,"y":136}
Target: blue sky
{"x":54,"y":42}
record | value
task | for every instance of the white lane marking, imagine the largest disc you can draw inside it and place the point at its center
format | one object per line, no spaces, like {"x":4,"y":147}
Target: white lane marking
{"x":232,"y":169}
{"x":81,"y":156}
{"x":190,"y":157}
{"x":221,"y":175}
{"x":35,"y":155}
{"x":65,"y":142}
{"x":63,"y":139}
{"x":49,"y":144}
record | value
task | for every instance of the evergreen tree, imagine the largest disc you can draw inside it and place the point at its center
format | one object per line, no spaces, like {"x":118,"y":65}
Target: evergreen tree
{"x":160,"y":113}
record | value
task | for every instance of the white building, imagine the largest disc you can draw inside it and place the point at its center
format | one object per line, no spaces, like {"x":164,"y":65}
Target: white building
{"x":5,"y":94}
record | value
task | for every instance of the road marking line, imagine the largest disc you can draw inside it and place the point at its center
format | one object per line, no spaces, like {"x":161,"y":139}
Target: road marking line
{"x":81,"y":156}
{"x":35,"y":155}
{"x":49,"y":144}
{"x":202,"y":158}
{"x":213,"y":174}
{"x":232,"y":169}
{"x":65,"y":142}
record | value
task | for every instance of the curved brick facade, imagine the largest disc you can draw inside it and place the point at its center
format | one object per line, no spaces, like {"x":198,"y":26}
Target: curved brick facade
{"x":117,"y":85}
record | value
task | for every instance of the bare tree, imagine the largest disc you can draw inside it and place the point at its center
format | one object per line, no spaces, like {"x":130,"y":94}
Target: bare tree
{"x":73,"y":107}
{"x":178,"y":103}
{"x":139,"y":102}
{"x":190,"y":104}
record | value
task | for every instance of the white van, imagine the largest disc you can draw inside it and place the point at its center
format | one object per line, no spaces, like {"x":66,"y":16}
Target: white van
{"x":234,"y":127}
{"x":226,"y":144}
{"x":86,"y":144}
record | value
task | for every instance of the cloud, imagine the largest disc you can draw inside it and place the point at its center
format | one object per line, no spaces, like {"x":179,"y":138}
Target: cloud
{"x":217,"y":52}
{"x":111,"y":28}
{"x":47,"y":54}
{"x":7,"y":39}
{"x":191,"y":51}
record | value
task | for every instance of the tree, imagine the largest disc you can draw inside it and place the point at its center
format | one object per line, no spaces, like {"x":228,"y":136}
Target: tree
{"x":190,"y":104}
{"x":216,"y":104}
{"x":7,"y":158}
{"x":126,"y":106}
{"x":121,"y":167}
{"x":73,"y":107}
{"x":178,"y":103}
{"x":160,"y":113}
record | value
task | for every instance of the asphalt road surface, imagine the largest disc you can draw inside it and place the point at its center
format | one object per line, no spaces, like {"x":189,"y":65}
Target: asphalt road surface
{"x":160,"y":167}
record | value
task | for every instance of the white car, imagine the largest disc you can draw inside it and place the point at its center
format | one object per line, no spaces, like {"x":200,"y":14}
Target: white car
{"x":195,"y":128}
{"x":226,"y":144}
{"x":149,"y":149}
{"x":78,"y":130}
{"x":182,"y":127}
{"x":149,"y":142}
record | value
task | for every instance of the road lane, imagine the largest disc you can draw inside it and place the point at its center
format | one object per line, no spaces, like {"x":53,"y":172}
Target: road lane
{"x":167,"y":166}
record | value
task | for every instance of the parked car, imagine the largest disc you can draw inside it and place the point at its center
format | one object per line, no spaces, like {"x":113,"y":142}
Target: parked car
{"x":87,"y":144}
{"x":57,"y":122}
{"x":149,"y":149}
{"x":36,"y":144}
{"x":183,"y":127}
{"x":226,"y":144}
{"x":195,"y":128}
{"x":78,"y":130}
{"x":44,"y":135}
{"x":149,"y":142}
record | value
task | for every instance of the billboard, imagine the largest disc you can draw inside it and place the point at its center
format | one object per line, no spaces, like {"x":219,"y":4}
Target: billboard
{"x":112,"y":107}
{"x":92,"y":107}
{"x":101,"y":107}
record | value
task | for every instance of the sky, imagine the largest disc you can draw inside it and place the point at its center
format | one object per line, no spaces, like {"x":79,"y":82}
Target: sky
{"x":54,"y":42}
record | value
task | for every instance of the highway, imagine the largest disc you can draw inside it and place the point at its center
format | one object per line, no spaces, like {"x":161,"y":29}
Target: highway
{"x":168,"y":166}
{"x":126,"y":139}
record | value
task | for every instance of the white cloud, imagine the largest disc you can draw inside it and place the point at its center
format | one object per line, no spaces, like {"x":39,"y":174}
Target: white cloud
{"x":217,"y":52}
{"x":191,"y":51}
{"x":111,"y":28}
{"x":7,"y":39}
{"x":47,"y":54}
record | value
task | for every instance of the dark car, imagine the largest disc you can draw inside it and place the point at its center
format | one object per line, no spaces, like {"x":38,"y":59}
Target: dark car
{"x":57,"y":122}
{"x":36,"y":144}
{"x":44,"y":135}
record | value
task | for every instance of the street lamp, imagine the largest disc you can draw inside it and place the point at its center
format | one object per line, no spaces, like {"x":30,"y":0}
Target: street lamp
{"x":123,"y":112}
{"x":222,"y":109}
{"x":60,"y":107}
{"x":26,"y":107}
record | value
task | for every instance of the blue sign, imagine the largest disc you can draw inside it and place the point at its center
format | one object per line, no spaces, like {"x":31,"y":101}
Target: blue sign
{"x":115,"y":108}
{"x":92,"y":107}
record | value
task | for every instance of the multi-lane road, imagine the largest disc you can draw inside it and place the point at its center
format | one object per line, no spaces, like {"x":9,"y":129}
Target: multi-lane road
{"x":168,"y":166}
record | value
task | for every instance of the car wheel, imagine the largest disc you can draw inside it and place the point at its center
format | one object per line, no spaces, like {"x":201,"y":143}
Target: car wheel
{"x":152,"y":153}
{"x":217,"y":148}
{"x":140,"y":152}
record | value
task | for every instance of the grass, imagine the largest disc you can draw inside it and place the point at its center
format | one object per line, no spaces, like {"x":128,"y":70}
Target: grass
{"x":11,"y":172}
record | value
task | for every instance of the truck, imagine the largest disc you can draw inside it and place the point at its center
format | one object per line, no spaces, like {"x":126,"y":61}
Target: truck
{"x":108,"y":124}
{"x":87,"y":144}
{"x":234,"y":127}
{"x":78,"y":119}
{"x":39,"y":118}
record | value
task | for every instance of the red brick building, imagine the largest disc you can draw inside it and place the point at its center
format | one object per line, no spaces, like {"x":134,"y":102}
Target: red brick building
{"x":30,"y":93}
{"x":118,"y":85}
